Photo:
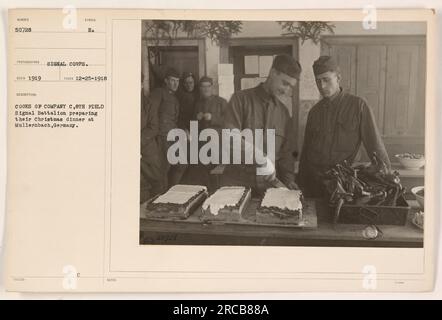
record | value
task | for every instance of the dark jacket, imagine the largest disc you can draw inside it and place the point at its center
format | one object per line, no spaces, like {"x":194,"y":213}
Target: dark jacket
{"x":187,"y":113}
{"x":255,"y":109}
{"x":149,"y":121}
{"x":214,"y":105}
{"x":335,"y":130}
{"x":165,"y":101}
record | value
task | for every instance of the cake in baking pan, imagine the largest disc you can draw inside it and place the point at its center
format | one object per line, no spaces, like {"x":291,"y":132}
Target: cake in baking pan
{"x":178,"y":202}
{"x":226,"y":204}
{"x":280,"y":206}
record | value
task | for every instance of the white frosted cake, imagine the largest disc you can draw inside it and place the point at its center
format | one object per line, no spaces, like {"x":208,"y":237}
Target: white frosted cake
{"x":280,"y":206}
{"x":226,"y":204}
{"x":178,"y":202}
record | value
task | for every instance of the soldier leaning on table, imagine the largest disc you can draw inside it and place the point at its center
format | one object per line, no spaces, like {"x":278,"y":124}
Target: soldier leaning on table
{"x":336,"y":127}
{"x":260,"y":108}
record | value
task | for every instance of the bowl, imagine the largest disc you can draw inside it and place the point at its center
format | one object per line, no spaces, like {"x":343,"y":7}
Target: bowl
{"x":417,"y":194}
{"x":411,"y":161}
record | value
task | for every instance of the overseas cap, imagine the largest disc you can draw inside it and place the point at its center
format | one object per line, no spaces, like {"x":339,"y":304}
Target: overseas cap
{"x":324,"y":64}
{"x":171,"y":72}
{"x":286,"y":64}
{"x":188,"y":74}
{"x":206,"y":79}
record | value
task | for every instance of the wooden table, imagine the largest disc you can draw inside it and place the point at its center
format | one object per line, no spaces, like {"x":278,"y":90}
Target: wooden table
{"x":327,"y":234}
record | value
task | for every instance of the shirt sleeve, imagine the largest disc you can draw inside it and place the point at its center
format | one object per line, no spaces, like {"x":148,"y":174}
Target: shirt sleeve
{"x":149,"y":114}
{"x":233,"y":120}
{"x":371,"y":137}
{"x":285,"y":166}
{"x":196,"y":109}
{"x":302,"y":173}
{"x":233,"y":113}
{"x":218,"y":116}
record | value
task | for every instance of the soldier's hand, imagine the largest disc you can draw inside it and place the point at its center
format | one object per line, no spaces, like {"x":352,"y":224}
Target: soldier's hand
{"x":200,"y":116}
{"x":267,"y":170}
{"x":270,"y":177}
{"x":207,"y":116}
{"x":292,"y":185}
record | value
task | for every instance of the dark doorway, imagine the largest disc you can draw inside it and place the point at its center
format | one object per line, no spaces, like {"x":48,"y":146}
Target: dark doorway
{"x":182,"y":58}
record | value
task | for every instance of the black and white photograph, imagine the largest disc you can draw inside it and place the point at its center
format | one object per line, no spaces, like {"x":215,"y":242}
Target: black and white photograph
{"x":204,"y":152}
{"x":282,"y":133}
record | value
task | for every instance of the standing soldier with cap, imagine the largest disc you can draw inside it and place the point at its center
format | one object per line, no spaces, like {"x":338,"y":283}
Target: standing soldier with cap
{"x":164,"y":100}
{"x":210,"y":110}
{"x":150,"y":177}
{"x":187,"y":96}
{"x":259,"y":108}
{"x":209,"y":107}
{"x":336,"y":127}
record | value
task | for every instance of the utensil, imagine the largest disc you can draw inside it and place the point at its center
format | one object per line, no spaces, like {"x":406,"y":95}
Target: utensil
{"x":419,"y":198}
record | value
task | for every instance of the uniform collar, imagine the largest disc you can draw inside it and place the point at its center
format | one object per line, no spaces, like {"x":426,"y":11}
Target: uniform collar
{"x":166,"y":89}
{"x":207,"y":98}
{"x":262,"y":93}
{"x":335,"y":97}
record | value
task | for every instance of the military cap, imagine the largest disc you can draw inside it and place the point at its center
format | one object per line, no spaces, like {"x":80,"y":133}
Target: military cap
{"x":171,"y":72}
{"x":286,"y":64}
{"x":325,"y":64}
{"x":188,"y":74}
{"x":206,"y":79}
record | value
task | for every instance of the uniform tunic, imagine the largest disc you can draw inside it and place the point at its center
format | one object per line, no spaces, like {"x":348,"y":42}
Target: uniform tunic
{"x":187,"y":102}
{"x":165,"y":101}
{"x":335,"y":129}
{"x":187,"y":113}
{"x":256,"y":109}
{"x":150,"y":178}
{"x":167,"y":105}
{"x":214,"y":105}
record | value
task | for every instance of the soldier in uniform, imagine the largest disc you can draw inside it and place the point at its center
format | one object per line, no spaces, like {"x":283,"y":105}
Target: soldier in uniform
{"x":209,"y":107}
{"x":150,"y":178}
{"x":259,"y":108}
{"x":187,"y":96}
{"x":165,"y":101}
{"x":210,"y":110}
{"x":336,"y":127}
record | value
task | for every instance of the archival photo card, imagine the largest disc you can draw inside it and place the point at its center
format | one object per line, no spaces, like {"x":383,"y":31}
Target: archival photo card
{"x":221,"y":150}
